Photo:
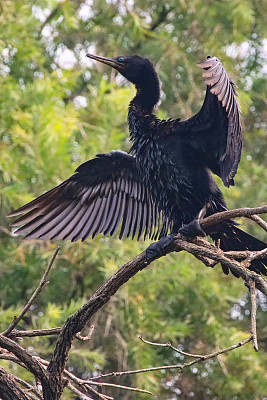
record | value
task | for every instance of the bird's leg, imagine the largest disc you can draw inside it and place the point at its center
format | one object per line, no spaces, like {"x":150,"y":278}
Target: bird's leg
{"x":190,"y":230}
{"x":193,"y":228}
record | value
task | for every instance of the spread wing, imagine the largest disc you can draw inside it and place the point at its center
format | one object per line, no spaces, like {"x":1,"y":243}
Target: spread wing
{"x":105,"y":193}
{"x":215,"y":131}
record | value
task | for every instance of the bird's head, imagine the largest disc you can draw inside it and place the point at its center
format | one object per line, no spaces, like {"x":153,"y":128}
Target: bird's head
{"x":135,"y":69}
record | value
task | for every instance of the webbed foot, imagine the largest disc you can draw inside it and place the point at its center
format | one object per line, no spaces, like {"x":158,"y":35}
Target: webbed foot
{"x":158,"y":248}
{"x":192,"y":229}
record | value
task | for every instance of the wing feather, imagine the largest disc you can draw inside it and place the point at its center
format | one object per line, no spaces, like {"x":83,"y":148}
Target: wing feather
{"x":214,"y":133}
{"x":225,"y":90}
{"x":106,"y":193}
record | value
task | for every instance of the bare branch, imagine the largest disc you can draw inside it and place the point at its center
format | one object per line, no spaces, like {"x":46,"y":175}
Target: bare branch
{"x":251,"y":285}
{"x":54,"y":378}
{"x":43,"y":282}
{"x":132,"y":389}
{"x":81,"y":395}
{"x":218,"y":255}
{"x":80,"y":318}
{"x":28,"y":360}
{"x":257,"y":255}
{"x":170,"y":346}
{"x":9,"y":388}
{"x":238,"y":212}
{"x":88,"y":337}
{"x":259,"y":221}
{"x":35,"y":332}
{"x":79,"y":382}
{"x":177,"y":366}
{"x":29,"y":387}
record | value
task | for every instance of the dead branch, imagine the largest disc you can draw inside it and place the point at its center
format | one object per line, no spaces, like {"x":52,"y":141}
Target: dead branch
{"x":177,"y":366}
{"x":34,"y":333}
{"x":88,"y":337}
{"x":237,"y":212}
{"x":27,"y":359}
{"x":53,"y":379}
{"x":80,"y":318}
{"x":259,"y":221}
{"x":170,"y":346}
{"x":85,"y":384}
{"x":29,"y":388}
{"x":131,"y":389}
{"x":251,"y":285}
{"x":46,"y":332}
{"x":43,"y":282}
{"x":81,"y":395}
{"x":9,"y":388}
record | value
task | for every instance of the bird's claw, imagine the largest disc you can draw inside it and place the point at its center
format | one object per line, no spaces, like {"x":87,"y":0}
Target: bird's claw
{"x":157,"y":249}
{"x":192,"y":229}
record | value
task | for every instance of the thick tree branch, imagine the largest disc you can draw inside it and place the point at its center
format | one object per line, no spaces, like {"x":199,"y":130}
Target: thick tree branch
{"x":80,"y":318}
{"x":237,"y":212}
{"x":30,"y":388}
{"x":9,"y":389}
{"x":53,"y":379}
{"x":34,"y":333}
{"x":27,"y":359}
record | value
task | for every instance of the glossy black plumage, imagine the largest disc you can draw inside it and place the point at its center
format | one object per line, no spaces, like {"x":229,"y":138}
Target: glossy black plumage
{"x":104,"y":194}
{"x":165,"y":184}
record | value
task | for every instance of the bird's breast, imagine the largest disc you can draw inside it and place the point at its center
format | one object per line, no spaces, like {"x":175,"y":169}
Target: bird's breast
{"x":170,"y":180}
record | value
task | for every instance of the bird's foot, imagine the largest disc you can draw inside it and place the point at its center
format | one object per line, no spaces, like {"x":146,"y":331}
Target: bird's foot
{"x":157,"y":249}
{"x":192,"y":229}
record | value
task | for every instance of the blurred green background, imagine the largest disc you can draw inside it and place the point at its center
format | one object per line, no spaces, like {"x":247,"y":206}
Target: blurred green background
{"x":58,"y":109}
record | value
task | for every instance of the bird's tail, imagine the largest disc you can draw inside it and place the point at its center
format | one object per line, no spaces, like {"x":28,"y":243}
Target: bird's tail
{"x":233,"y":238}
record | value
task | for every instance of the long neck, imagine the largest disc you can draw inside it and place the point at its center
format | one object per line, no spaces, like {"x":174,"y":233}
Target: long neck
{"x":140,"y":115}
{"x":147,"y":93}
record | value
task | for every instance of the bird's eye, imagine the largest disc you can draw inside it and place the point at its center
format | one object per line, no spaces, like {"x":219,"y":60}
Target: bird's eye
{"x":120,"y":59}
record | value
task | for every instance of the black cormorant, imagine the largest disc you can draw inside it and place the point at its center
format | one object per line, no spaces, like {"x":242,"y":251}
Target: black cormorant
{"x":166,"y":185}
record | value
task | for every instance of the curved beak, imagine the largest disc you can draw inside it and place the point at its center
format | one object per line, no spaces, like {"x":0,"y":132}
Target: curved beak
{"x":112,"y":62}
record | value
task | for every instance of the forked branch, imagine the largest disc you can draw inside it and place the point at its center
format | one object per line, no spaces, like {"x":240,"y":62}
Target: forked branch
{"x":53,"y":379}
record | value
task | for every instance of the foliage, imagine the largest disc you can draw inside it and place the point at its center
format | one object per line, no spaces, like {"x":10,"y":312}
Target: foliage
{"x":58,"y":109}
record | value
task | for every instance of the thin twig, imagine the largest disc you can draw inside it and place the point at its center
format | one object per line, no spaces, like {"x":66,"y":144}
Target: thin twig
{"x":43,"y":282}
{"x":88,"y":337}
{"x":169,"y":345}
{"x":207,"y":261}
{"x":176,"y":366}
{"x":259,"y":221}
{"x":258,"y":254}
{"x":78,"y":381}
{"x":253,"y":314}
{"x":10,"y":357}
{"x":218,"y":255}
{"x":81,"y":395}
{"x":118,"y":386}
{"x":9,"y":387}
{"x":29,"y":387}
